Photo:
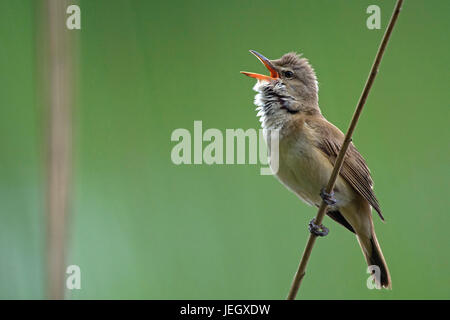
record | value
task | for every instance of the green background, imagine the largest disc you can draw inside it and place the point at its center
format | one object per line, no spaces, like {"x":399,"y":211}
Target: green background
{"x":144,"y":228}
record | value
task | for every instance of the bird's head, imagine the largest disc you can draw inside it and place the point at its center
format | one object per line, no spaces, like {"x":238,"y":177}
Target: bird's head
{"x":290,"y":88}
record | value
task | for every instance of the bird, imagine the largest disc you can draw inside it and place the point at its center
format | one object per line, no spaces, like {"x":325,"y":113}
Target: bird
{"x":287,"y":102}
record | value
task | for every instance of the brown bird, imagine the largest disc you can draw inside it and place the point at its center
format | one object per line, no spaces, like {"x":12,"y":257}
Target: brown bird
{"x":287,"y":102}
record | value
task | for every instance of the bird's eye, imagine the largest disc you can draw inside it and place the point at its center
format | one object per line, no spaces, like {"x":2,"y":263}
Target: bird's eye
{"x":288,"y":74}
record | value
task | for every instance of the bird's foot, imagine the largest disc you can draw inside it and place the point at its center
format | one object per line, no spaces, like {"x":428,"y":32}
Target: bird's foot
{"x":328,"y":198}
{"x":317,"y":230}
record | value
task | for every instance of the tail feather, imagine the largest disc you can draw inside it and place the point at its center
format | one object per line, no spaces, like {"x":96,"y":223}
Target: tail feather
{"x":374,"y":257}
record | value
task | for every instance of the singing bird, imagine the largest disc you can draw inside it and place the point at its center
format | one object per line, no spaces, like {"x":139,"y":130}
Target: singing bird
{"x":287,"y":101}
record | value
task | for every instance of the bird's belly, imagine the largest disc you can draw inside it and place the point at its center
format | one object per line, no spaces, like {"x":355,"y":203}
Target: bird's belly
{"x":298,"y":176}
{"x":305,"y":171}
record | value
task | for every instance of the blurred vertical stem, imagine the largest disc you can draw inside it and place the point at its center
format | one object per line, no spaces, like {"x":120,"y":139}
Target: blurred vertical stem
{"x":57,"y":56}
{"x":340,"y":159}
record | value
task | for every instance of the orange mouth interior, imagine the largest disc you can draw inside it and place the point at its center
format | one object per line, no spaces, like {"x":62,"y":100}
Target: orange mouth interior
{"x":273,"y":73}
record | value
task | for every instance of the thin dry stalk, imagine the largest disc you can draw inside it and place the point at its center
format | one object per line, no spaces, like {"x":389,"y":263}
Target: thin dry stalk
{"x":340,"y":159}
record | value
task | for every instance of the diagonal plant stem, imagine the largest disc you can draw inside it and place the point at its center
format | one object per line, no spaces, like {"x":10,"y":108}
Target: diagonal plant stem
{"x":340,"y":159}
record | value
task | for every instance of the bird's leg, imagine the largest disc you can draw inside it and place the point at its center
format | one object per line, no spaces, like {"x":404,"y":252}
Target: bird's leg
{"x":328,"y":198}
{"x":317,"y":230}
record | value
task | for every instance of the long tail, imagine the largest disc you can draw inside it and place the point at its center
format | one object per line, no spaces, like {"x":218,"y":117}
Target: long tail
{"x":374,"y":257}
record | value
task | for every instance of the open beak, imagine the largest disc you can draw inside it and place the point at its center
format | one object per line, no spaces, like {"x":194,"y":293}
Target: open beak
{"x":273,"y":73}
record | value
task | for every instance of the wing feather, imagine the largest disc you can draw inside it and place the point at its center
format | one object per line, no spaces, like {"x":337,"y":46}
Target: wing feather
{"x":354,"y":169}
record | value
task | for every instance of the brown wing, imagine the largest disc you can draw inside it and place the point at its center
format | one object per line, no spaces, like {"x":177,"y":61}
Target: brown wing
{"x":354,"y":170}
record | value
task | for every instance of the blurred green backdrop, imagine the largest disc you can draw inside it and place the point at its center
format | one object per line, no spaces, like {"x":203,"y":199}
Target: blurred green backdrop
{"x":144,"y":228}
